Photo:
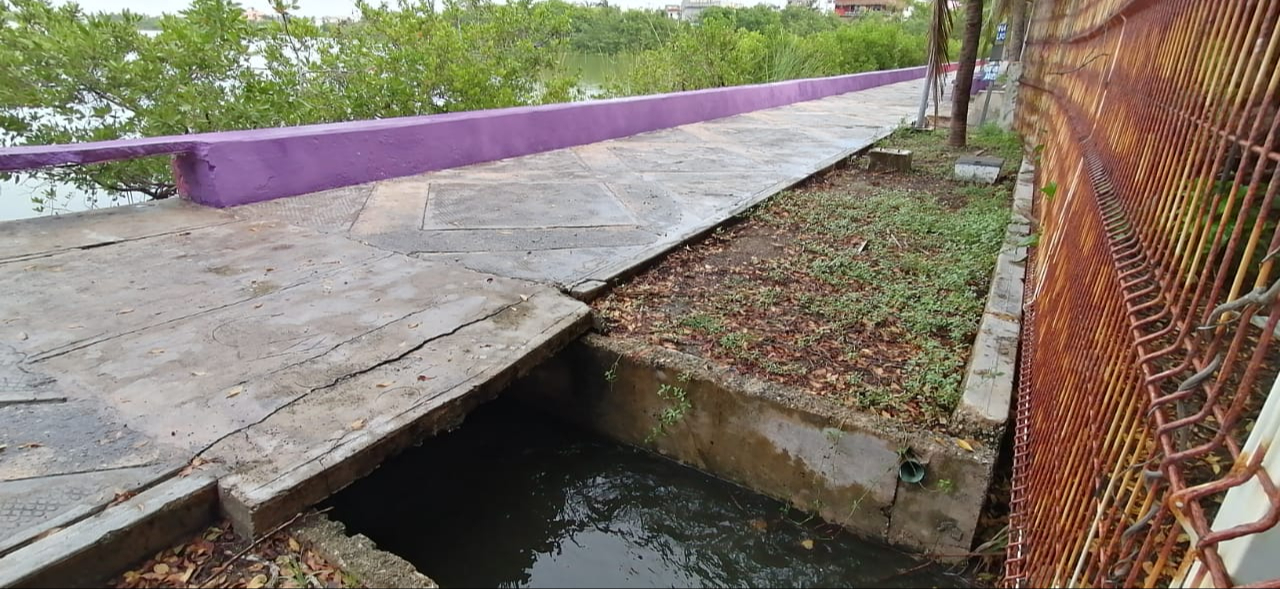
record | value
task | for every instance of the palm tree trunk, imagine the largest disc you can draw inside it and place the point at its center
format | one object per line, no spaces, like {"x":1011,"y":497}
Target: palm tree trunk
{"x":1017,"y":30}
{"x":964,"y":72}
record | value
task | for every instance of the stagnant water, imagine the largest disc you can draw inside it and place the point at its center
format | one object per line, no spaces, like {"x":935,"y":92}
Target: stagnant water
{"x":513,"y":499}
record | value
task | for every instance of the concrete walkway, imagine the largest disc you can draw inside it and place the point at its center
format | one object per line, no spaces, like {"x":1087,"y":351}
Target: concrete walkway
{"x":581,"y":217}
{"x":287,"y":347}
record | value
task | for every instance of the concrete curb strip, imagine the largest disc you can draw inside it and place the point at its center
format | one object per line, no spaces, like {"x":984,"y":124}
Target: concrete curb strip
{"x":987,"y":387}
{"x":88,"y":552}
{"x":359,"y":556}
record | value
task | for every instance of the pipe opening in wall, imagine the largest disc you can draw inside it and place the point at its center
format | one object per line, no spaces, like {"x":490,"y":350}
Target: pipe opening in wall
{"x":516,"y":499}
{"x":911,"y":470}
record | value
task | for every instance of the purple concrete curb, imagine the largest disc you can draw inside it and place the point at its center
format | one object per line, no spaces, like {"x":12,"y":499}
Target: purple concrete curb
{"x":241,"y":167}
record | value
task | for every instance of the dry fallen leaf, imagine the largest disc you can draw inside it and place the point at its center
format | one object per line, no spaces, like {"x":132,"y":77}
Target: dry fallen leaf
{"x":257,"y":582}
{"x":156,"y":351}
{"x":161,"y":568}
{"x":964,"y":444}
{"x":294,"y":546}
{"x":236,"y":390}
{"x":383,"y":385}
{"x":198,"y":373}
{"x":124,"y":311}
{"x":524,"y":297}
{"x":196,"y":462}
{"x":807,"y":543}
{"x":357,"y":424}
{"x":414,"y":325}
{"x":422,"y":377}
{"x":30,"y":445}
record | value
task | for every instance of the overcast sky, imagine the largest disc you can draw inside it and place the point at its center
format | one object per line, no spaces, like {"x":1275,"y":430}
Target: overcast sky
{"x":309,"y":7}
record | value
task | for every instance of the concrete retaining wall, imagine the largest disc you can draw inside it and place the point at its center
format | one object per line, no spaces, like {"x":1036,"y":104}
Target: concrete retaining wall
{"x":240,"y":167}
{"x":778,"y":441}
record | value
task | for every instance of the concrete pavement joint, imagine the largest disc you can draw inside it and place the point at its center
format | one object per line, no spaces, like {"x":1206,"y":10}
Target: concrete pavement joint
{"x":51,"y":253}
{"x":86,"y":342}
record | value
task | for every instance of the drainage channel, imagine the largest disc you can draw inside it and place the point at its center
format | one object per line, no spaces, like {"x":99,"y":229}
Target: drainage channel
{"x":514,"y":498}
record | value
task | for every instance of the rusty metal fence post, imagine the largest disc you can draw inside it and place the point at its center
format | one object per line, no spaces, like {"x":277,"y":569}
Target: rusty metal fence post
{"x":1151,"y":295}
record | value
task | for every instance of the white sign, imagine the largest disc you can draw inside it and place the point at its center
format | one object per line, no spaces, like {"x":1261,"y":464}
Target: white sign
{"x":991,"y":71}
{"x":1001,"y":32}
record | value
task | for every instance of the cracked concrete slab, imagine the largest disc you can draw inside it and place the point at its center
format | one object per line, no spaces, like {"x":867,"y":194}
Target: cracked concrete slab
{"x":255,"y":345}
{"x":598,"y":212}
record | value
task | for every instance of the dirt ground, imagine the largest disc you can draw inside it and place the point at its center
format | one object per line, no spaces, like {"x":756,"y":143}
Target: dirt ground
{"x":860,"y":287}
{"x":217,"y":558}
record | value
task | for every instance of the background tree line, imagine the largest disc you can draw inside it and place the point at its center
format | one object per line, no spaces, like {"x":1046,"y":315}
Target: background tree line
{"x":72,"y":76}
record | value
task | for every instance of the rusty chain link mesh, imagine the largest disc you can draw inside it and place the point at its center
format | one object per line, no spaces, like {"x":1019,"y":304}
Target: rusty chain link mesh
{"x":1151,"y":291}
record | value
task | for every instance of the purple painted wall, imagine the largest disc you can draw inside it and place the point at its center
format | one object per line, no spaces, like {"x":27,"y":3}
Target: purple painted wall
{"x":240,"y":167}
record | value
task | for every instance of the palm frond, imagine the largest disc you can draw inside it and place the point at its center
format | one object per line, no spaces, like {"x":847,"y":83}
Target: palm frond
{"x":940,"y":23}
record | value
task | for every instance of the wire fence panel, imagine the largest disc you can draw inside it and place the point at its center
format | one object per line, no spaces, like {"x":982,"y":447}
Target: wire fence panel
{"x":1151,"y":292}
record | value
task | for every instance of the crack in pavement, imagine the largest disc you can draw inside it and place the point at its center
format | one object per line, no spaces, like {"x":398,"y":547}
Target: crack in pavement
{"x":77,"y":248}
{"x":483,"y":376}
{"x":95,"y":340}
{"x":348,"y":376}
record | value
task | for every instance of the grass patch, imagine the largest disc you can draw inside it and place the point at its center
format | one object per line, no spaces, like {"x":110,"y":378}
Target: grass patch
{"x":869,"y":293}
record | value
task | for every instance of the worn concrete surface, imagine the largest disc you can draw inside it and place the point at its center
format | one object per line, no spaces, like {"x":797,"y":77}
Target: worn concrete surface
{"x":358,"y":555}
{"x":987,"y":388}
{"x":582,"y":217}
{"x":291,"y":360}
{"x":89,"y":553}
{"x":776,"y":440}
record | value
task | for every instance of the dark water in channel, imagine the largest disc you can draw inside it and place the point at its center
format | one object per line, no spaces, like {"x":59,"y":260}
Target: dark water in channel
{"x":512,"y":499}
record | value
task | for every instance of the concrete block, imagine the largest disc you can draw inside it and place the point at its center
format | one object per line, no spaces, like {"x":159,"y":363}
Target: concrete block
{"x":587,"y":290}
{"x":358,"y":555}
{"x":889,"y":160}
{"x":978,"y":169}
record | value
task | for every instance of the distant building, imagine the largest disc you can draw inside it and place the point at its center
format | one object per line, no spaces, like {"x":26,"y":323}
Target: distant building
{"x":673,"y":11}
{"x":691,"y":9}
{"x":254,"y":15}
{"x":857,"y":7}
{"x":334,"y":20}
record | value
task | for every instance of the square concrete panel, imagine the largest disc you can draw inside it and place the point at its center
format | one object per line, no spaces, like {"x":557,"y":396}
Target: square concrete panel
{"x":498,"y":205}
{"x":703,"y":157}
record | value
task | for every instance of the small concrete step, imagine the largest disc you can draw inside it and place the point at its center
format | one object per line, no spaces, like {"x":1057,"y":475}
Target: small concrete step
{"x":93,"y":550}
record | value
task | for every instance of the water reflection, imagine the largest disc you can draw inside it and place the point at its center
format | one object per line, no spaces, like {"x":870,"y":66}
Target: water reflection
{"x":514,"y":501}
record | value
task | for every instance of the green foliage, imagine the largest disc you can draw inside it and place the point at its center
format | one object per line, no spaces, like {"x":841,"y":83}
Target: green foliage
{"x":703,"y":322}
{"x":143,"y":22}
{"x":1005,"y":144}
{"x":74,"y":77}
{"x":678,"y":406}
{"x":758,"y":45}
{"x":611,"y":375}
{"x":609,"y":30}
